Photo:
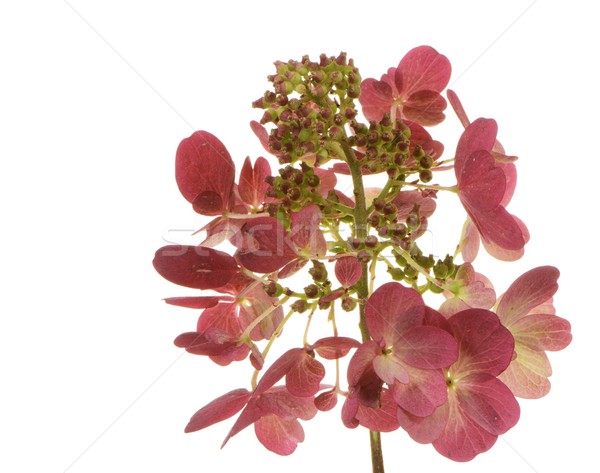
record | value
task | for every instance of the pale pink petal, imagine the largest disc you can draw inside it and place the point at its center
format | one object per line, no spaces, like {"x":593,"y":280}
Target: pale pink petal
{"x":528,"y":291}
{"x":306,"y":232}
{"x":252,"y":187}
{"x":469,"y":241}
{"x":279,"y":435}
{"x":390,"y":369}
{"x":542,"y":332}
{"x":527,"y":375}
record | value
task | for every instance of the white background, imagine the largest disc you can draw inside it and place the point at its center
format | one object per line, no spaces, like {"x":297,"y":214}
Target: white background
{"x":94,"y":99}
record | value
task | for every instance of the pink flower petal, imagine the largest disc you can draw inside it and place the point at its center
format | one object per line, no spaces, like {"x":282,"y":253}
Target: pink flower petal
{"x":194,"y":266}
{"x":422,"y":68}
{"x":528,"y":291}
{"x":348,"y":270}
{"x":390,"y":369}
{"x":527,"y":375}
{"x":278,"y":369}
{"x":205,"y":173}
{"x":542,"y":332}
{"x":393,"y":309}
{"x":326,"y":400}
{"x":200,"y":302}
{"x":479,"y":135}
{"x":332,"y":348}
{"x":424,"y":429}
{"x":488,"y":402}
{"x":462,"y":439}
{"x":266,"y":246}
{"x":283,"y":404}
{"x":375,"y":98}
{"x":252,"y":187}
{"x":306,"y":232}
{"x":278,"y":435}
{"x":484,"y":345}
{"x":499,"y":228}
{"x":305,"y":376}
{"x":382,"y":418}
{"x":481,"y":183}
{"x":426,"y":347}
{"x":218,"y":410}
{"x":425,"y":392}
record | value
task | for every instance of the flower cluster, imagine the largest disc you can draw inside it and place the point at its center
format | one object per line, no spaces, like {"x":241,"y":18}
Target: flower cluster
{"x":449,"y":373}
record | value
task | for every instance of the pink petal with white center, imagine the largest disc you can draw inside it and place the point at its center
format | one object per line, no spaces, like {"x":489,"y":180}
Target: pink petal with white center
{"x":305,"y":376}
{"x":391,"y":310}
{"x":527,"y":375}
{"x":424,"y":429}
{"x":542,"y":332}
{"x":484,"y":345}
{"x":266,"y":247}
{"x":390,"y":369}
{"x":528,"y":291}
{"x":280,"y":436}
{"x":348,"y":270}
{"x":462,"y":439}
{"x":479,"y":135}
{"x":422,"y":68}
{"x":426,"y":347}
{"x":488,"y":402}
{"x":205,"y":173}
{"x":333,"y":348}
{"x":194,"y":266}
{"x":306,"y":232}
{"x":220,"y":409}
{"x":425,"y":392}
{"x":252,"y":187}
{"x":382,"y":418}
{"x":481,"y":183}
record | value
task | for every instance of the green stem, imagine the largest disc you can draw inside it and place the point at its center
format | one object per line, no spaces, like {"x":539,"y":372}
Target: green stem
{"x":362,"y":287}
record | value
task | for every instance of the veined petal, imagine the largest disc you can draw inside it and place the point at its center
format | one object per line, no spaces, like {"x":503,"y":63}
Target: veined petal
{"x":348,"y":270}
{"x":542,"y":332}
{"x":220,"y":409}
{"x":527,"y":375}
{"x":426,"y":347}
{"x":278,"y":435}
{"x":425,"y":392}
{"x":479,"y":135}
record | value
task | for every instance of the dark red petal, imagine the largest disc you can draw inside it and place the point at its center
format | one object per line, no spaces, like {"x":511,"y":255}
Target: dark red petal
{"x":375,"y":98}
{"x":292,"y":268}
{"x":200,"y":302}
{"x":220,"y":409}
{"x":266,"y":245}
{"x":326,"y":400}
{"x":422,"y":68}
{"x":481,"y":183}
{"x":195,"y":266}
{"x":488,"y":402}
{"x":484,"y":345}
{"x":252,"y":187}
{"x":348,"y":270}
{"x":382,"y":418}
{"x":393,"y":309}
{"x":203,"y":166}
{"x":529,"y":290}
{"x":479,"y":135}
{"x":499,"y":228}
{"x":332,"y":348}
